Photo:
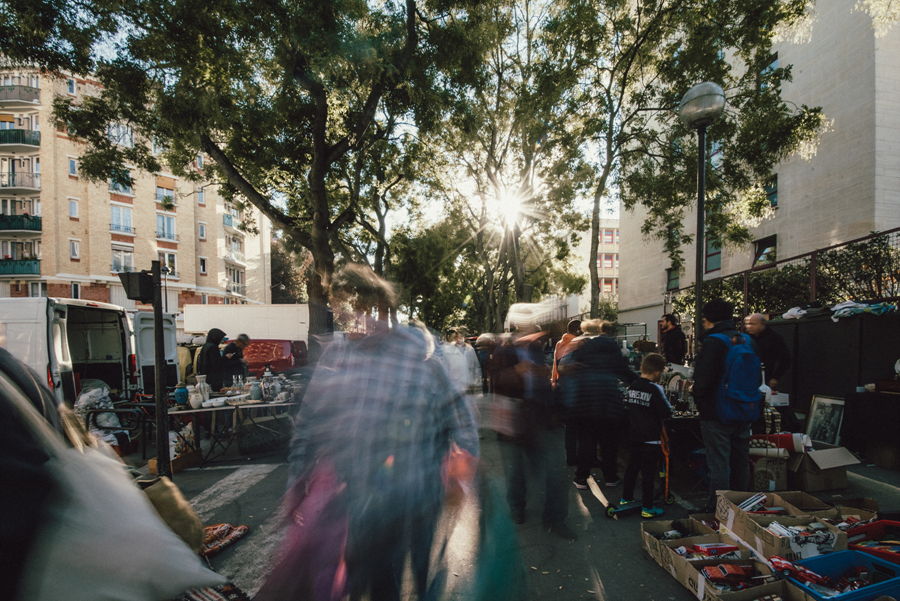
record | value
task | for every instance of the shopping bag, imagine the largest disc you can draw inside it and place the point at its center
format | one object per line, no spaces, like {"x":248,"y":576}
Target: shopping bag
{"x":174,"y":510}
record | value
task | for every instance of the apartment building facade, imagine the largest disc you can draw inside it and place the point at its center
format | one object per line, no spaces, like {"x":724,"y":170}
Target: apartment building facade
{"x":608,"y":257}
{"x":63,"y":236}
{"x":849,"y":188}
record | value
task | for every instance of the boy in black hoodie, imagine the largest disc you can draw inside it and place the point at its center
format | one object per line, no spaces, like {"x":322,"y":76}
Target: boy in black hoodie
{"x":647,"y":408}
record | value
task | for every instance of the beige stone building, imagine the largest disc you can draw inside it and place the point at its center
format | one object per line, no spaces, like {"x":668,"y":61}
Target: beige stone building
{"x":608,"y":257}
{"x":849,"y":188}
{"x":63,"y":236}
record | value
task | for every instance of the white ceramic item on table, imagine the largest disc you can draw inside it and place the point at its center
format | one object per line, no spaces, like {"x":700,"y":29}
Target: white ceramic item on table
{"x":195,"y":397}
{"x":218,"y":403}
{"x":207,"y":404}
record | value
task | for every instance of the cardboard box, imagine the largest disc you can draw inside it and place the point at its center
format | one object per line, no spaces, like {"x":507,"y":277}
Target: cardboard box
{"x":859,"y":502}
{"x":743,"y":552}
{"x":823,"y":468}
{"x":650,"y":531}
{"x":769,"y":474}
{"x":731,"y":516}
{"x":690,"y":575}
{"x":704,"y":517}
{"x":754,"y":533}
{"x":182,"y":462}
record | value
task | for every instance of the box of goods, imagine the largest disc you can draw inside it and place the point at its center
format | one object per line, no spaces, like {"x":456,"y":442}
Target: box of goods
{"x":734,"y":508}
{"x":790,"y":537}
{"x":823,"y":468}
{"x":655,"y":534}
{"x":880,"y":538}
{"x":728,"y":580}
{"x":708,"y":546}
{"x":793,"y":443}
{"x":844,"y":576}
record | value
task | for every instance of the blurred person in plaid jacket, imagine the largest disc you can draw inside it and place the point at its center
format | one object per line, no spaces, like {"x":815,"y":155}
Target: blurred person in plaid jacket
{"x":382,"y":413}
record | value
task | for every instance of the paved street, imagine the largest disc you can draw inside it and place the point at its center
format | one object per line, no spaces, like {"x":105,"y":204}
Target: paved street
{"x":606,"y":563}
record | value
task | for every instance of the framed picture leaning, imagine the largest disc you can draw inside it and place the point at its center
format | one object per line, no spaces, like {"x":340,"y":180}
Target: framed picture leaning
{"x":824,"y":421}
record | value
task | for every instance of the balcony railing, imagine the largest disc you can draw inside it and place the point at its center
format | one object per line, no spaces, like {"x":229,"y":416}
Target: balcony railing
{"x":20,"y":222}
{"x":20,"y":267}
{"x":228,"y":220}
{"x":123,"y":229}
{"x":20,"y":180}
{"x":20,"y":136}
{"x":21,"y":93}
{"x":162,"y":235}
{"x":235,"y":255}
{"x":236,"y":288}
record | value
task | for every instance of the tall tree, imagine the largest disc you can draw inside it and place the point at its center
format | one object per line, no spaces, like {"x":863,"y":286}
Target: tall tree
{"x":634,"y":61}
{"x":277,"y":93}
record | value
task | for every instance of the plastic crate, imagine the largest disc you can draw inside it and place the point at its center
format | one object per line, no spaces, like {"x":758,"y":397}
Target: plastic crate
{"x":874,"y":531}
{"x":834,"y":565}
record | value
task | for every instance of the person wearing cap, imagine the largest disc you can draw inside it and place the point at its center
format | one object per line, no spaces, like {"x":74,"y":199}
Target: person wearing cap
{"x":233,"y":355}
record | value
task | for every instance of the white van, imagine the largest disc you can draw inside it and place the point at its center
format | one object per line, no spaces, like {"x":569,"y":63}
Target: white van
{"x":69,"y":341}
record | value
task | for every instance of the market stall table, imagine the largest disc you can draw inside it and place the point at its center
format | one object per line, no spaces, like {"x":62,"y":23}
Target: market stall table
{"x":221,"y":435}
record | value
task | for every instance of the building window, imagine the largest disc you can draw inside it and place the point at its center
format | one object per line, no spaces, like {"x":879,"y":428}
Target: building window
{"x":165,"y":227}
{"x":38,"y":289}
{"x":772,"y":190}
{"x":73,"y":167}
{"x":203,"y":265}
{"x":70,"y":86}
{"x":74,"y":249}
{"x":199,"y":161}
{"x":76,"y":290}
{"x":607,"y":237}
{"x":201,"y":196}
{"x":165,"y":195}
{"x":672,"y":282}
{"x":120,"y":219}
{"x":167,"y":259}
{"x":156,"y":147}
{"x":607,"y":286}
{"x":118,"y":188}
{"x":607,"y":261}
{"x":617,"y":236}
{"x":616,"y":260}
{"x":73,"y":208}
{"x":713,"y":255}
{"x":122,"y":259}
{"x":765,"y":251}
{"x":201,"y":230}
{"x":120,"y":134}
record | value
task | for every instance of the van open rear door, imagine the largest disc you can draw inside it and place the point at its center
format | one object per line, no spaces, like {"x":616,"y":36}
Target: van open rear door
{"x":144,"y":345}
{"x":61,"y":375}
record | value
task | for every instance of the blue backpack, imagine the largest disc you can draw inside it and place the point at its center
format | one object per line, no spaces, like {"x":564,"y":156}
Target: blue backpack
{"x":739,"y":398}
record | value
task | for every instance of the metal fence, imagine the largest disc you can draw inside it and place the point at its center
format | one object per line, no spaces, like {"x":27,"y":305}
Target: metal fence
{"x":865,"y":269}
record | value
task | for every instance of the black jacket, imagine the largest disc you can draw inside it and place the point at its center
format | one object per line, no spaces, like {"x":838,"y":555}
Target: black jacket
{"x":674,"y":346}
{"x":774,"y":354}
{"x":710,"y":368}
{"x":210,"y":362}
{"x":591,"y":374}
{"x":647,"y":407}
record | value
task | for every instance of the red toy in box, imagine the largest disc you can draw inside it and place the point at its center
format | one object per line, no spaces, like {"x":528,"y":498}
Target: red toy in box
{"x":728,"y":573}
{"x":713,"y":549}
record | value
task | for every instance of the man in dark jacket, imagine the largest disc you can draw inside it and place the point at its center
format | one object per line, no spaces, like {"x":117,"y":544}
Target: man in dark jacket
{"x":210,"y":362}
{"x":727,"y":446}
{"x":592,"y":371}
{"x":773,"y":352}
{"x":674,"y":342}
{"x":233,"y":355}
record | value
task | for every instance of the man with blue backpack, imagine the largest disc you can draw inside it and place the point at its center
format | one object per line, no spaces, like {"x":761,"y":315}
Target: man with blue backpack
{"x":727,"y":377}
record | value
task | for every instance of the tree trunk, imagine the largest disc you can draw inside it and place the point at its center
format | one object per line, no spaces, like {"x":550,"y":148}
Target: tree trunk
{"x":592,"y":259}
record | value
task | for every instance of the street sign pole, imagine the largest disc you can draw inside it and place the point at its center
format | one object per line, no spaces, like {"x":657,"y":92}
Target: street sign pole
{"x":163,"y":466}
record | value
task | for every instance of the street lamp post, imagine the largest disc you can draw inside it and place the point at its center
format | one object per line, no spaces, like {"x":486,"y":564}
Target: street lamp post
{"x":700,"y":108}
